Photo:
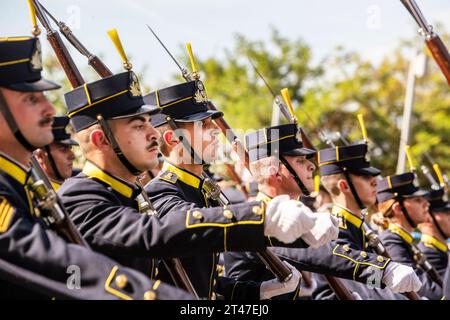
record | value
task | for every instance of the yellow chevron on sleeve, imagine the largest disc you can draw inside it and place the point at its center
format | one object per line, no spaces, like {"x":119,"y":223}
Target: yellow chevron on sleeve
{"x":6,"y":213}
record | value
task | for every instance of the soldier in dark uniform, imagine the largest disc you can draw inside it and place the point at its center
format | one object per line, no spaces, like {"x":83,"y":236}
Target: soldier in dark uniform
{"x":404,"y":205}
{"x":351,"y":181}
{"x":57,"y":158}
{"x":182,"y":184}
{"x":435,"y":232}
{"x":114,"y":131}
{"x":447,"y":282}
{"x":34,"y":261}
{"x":274,"y":179}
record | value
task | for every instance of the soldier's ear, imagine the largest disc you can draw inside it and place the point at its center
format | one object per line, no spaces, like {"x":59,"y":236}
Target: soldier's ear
{"x":170,"y":138}
{"x":98,"y":139}
{"x":396,"y":208}
{"x":343,"y":186}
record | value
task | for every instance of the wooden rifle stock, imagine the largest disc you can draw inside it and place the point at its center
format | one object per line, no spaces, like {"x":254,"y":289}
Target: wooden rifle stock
{"x":440,"y":54}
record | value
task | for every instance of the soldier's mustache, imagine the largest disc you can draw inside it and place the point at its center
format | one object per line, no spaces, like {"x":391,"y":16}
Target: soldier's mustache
{"x":152,"y":145}
{"x":45,"y":121}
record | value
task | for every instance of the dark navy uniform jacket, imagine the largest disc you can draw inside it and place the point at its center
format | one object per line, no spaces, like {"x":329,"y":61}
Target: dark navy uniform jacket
{"x":447,"y":282}
{"x":36,"y":263}
{"x":176,"y":190}
{"x":398,"y":243}
{"x":436,"y":253}
{"x":352,"y":237}
{"x":335,"y":259}
{"x":105,"y":210}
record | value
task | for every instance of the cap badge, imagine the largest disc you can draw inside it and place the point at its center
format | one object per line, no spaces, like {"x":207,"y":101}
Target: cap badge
{"x":200,"y":94}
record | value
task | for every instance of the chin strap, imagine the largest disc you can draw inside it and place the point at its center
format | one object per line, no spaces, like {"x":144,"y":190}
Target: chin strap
{"x":405,"y":213}
{"x":12,"y":124}
{"x":353,"y":189}
{"x":297,"y":179}
{"x":53,"y":164}
{"x":109,"y":135}
{"x":437,"y":226}
{"x":194,"y":156}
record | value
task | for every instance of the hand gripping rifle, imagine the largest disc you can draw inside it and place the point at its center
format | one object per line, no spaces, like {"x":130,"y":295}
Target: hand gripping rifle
{"x":275,"y":265}
{"x":174,"y":266}
{"x":433,"y":41}
{"x":52,"y":211}
{"x":286,"y":108}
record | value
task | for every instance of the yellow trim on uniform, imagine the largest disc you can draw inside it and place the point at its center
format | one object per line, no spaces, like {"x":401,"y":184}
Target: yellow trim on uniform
{"x":175,"y":102}
{"x":213,"y":269}
{"x":395,"y":228}
{"x":157,"y":99}
{"x":92,"y":171}
{"x":336,"y":161}
{"x":8,"y":63}
{"x":113,"y":291}
{"x":429,"y":240}
{"x":337,"y":153}
{"x":70,"y":115}
{"x":14,"y":169}
{"x":279,"y":139}
{"x":15,"y":39}
{"x":389,"y":182}
{"x":184,"y":176}
{"x":347,"y":215}
{"x":358,"y":263}
{"x":88,"y":96}
{"x":156,"y":284}
{"x":270,"y":241}
{"x":226,"y":225}
{"x":261,"y":196}
{"x":55,"y":185}
{"x":6,"y":213}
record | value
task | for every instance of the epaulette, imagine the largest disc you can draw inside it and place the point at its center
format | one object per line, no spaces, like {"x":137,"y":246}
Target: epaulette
{"x":168,"y":176}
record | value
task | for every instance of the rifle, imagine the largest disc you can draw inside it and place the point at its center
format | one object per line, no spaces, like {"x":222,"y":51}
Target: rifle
{"x":173,"y":265}
{"x":336,"y":284}
{"x":64,"y":58}
{"x":93,"y":60}
{"x":55,"y":215}
{"x":444,"y":180}
{"x":433,"y":41}
{"x":275,"y":265}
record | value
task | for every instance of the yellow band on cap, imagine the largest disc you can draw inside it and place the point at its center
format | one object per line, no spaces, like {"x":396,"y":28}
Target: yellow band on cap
{"x":8,"y":63}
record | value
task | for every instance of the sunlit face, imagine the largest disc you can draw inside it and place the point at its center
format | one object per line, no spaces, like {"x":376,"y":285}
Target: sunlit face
{"x":443,"y":219}
{"x":366,"y":187}
{"x":63,"y":156}
{"x":417,"y":208}
{"x":137,"y":139}
{"x":203,"y":137}
{"x":304,"y":170}
{"x":33,"y":114}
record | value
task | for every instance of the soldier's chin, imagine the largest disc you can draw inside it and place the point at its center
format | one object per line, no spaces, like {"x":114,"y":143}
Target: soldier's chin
{"x":42,"y":140}
{"x":152,"y":164}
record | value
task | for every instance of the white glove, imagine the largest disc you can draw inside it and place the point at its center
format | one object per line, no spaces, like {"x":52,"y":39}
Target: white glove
{"x":274,"y":287}
{"x":286,"y":219}
{"x":325,"y":230}
{"x":356,"y":295}
{"x":401,"y":278}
